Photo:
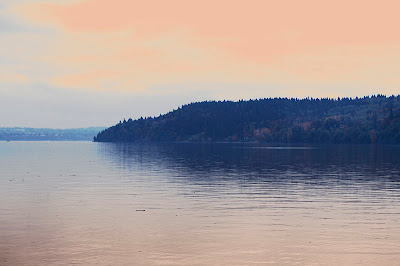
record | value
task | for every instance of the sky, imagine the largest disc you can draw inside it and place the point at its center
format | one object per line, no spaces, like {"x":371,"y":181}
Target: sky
{"x":81,"y":63}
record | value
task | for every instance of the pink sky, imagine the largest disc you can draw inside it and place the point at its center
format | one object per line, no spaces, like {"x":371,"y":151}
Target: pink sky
{"x":204,"y":49}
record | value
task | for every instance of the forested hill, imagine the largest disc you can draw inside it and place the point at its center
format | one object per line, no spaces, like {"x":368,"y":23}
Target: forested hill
{"x":373,"y":119}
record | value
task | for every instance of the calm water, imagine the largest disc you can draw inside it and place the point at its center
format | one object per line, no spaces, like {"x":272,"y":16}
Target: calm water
{"x":198,"y":204}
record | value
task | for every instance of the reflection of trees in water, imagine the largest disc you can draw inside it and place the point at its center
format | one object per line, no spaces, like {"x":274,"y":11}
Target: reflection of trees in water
{"x":247,"y":162}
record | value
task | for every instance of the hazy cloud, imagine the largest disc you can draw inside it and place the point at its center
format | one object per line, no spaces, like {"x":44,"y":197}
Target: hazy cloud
{"x":40,"y":105}
{"x":93,"y":62}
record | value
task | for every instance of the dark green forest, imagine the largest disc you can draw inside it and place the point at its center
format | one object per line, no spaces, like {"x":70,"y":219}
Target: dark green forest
{"x":374,"y":119}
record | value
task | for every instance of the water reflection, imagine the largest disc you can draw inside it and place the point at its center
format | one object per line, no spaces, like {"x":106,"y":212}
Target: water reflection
{"x":205,"y":204}
{"x":211,"y":162}
{"x":336,"y":202}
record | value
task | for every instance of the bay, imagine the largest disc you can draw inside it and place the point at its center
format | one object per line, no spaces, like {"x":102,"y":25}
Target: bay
{"x":90,"y":203}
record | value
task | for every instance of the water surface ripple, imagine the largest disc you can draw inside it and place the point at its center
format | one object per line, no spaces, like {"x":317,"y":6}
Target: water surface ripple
{"x":86,"y":203}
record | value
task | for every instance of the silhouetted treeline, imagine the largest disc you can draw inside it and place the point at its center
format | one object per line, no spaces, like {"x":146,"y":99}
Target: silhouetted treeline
{"x":373,"y":119}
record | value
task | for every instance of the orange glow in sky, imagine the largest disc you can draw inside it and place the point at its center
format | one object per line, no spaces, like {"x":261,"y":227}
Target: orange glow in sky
{"x":209,"y":49}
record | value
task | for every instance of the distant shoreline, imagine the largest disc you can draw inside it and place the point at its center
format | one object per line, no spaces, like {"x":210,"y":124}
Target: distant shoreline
{"x":48,"y":134}
{"x":43,"y":140}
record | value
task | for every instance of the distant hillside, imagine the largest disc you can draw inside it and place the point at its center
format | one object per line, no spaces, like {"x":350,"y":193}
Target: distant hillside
{"x":21,"y":133}
{"x":373,"y":119}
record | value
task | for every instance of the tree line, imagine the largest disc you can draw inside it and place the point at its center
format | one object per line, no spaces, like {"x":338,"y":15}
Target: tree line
{"x":374,"y":119}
